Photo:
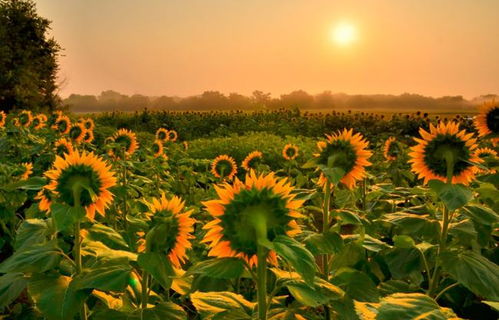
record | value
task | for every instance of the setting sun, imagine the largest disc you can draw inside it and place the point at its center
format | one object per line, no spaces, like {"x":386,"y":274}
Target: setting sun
{"x":344,"y":34}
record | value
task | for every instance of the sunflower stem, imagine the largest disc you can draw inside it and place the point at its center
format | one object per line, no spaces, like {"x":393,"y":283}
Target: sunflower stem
{"x":325,"y":229}
{"x":145,"y":295}
{"x":77,"y":244}
{"x":124,"y":181}
{"x":262,"y":282}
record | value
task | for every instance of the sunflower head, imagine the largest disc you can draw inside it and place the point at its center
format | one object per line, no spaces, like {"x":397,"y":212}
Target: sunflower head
{"x":391,"y":149}
{"x":251,"y":160}
{"x":224,"y":167}
{"x":127,"y":141}
{"x":84,"y":178}
{"x":172,"y":229}
{"x":62,"y":124}
{"x":89,"y":136}
{"x":444,"y":153}
{"x":63,"y":146}
{"x":44,"y":197}
{"x":27,"y":170}
{"x":484,"y":153}
{"x":346,"y":151}
{"x":158,"y":149}
{"x":172,"y":135}
{"x":162,"y":134}
{"x":3,"y":117}
{"x":290,"y":152}
{"x":487,"y":121}
{"x":89,"y":124}
{"x":77,"y":132}
{"x":39,"y":121}
{"x":25,"y":118}
{"x":263,"y":198}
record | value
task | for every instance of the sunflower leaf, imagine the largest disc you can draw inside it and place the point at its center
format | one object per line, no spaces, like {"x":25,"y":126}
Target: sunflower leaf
{"x":454,"y":196}
{"x":220,"y":268}
{"x":158,"y":266}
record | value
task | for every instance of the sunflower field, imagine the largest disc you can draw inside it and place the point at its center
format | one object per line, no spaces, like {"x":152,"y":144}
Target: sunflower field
{"x":265,"y":215}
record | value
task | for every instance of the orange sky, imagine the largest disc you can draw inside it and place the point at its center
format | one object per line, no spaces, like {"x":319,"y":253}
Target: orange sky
{"x":184,"y":47}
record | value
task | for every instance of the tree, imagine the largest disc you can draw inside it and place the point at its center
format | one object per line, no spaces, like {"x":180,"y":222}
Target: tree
{"x":28,"y":58}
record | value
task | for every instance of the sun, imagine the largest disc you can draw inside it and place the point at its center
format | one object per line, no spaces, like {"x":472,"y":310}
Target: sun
{"x":344,"y":34}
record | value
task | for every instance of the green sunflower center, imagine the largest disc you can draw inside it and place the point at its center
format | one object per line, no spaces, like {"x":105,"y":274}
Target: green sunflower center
{"x":163,"y":236}
{"x":88,"y":124}
{"x":62,"y":125}
{"x":443,"y":146}
{"x":124,"y":140}
{"x":75,"y":132}
{"x":339,"y":154}
{"x":253,"y":161}
{"x":290,"y":152}
{"x":393,"y":149}
{"x":156,"y":148}
{"x":161,"y":135}
{"x":23,"y":119}
{"x":493,"y":120}
{"x":223,"y":168}
{"x":61,"y":149}
{"x":78,"y":175}
{"x":240,"y":213}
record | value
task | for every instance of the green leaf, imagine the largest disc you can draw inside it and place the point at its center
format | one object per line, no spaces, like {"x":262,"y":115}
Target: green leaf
{"x":65,"y":216}
{"x":53,"y":297}
{"x":409,"y":306}
{"x":356,"y":284}
{"x":454,"y":196}
{"x":11,"y":286}
{"x":297,"y":256}
{"x":212,"y":303}
{"x":403,"y":262}
{"x":31,"y":231}
{"x":165,"y":310}
{"x":34,"y":183}
{"x":113,"y":277}
{"x":306,"y":294}
{"x":493,"y":304}
{"x":35,"y":258}
{"x":481,"y":214}
{"x":158,"y":266}
{"x":347,"y":217}
{"x":324,"y":243}
{"x":403,"y":242}
{"x":106,"y":235}
{"x":220,"y":268}
{"x":473,"y":271}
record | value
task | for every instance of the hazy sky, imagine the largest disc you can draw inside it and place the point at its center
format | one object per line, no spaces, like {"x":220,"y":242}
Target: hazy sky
{"x":184,"y":47}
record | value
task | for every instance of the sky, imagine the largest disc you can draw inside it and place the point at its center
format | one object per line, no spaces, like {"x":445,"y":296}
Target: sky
{"x":185,"y":47}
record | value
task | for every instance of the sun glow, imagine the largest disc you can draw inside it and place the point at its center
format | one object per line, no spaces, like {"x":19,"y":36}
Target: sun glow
{"x":344,"y":34}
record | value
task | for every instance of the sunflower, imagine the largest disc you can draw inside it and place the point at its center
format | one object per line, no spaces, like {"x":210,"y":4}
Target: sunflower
{"x":485,"y":152}
{"x":39,"y":121}
{"x":247,"y":162}
{"x":78,"y":168}
{"x":224,"y":167}
{"x":25,"y":118}
{"x":63,"y":146}
{"x":173,"y":229}
{"x":162,"y":134}
{"x":127,"y":140}
{"x":44,"y":196}
{"x":229,"y":234}
{"x":3,"y":117}
{"x":77,"y":132}
{"x":290,"y":152}
{"x":89,"y":124}
{"x":390,"y":149}
{"x":28,"y":170}
{"x":487,"y":121}
{"x":347,"y":151}
{"x":442,"y":144}
{"x":172,"y":135}
{"x":157,"y":149}
{"x":62,"y":124}
{"x":89,"y":136}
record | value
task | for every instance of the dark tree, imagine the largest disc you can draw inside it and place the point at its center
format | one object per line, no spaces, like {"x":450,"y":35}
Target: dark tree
{"x":28,"y":58}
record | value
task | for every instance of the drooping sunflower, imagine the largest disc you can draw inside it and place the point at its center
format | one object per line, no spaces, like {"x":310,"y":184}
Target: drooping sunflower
{"x":162,"y":134}
{"x":25,"y":118}
{"x":77,"y":132}
{"x":390,"y":149}
{"x":290,"y":151}
{"x":485,"y":152}
{"x":3,"y":117}
{"x":172,"y":135}
{"x":487,"y":121}
{"x":127,"y":140}
{"x":224,"y":167}
{"x":82,"y":168}
{"x":157,"y":149}
{"x":248,"y":162}
{"x":62,"y":124}
{"x":347,"y":151}
{"x":230,"y":233}
{"x":39,"y":121}
{"x":44,"y":197}
{"x":63,"y":146}
{"x":89,"y":136}
{"x":173,"y":229}
{"x":27,"y":170}
{"x":428,"y":157}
